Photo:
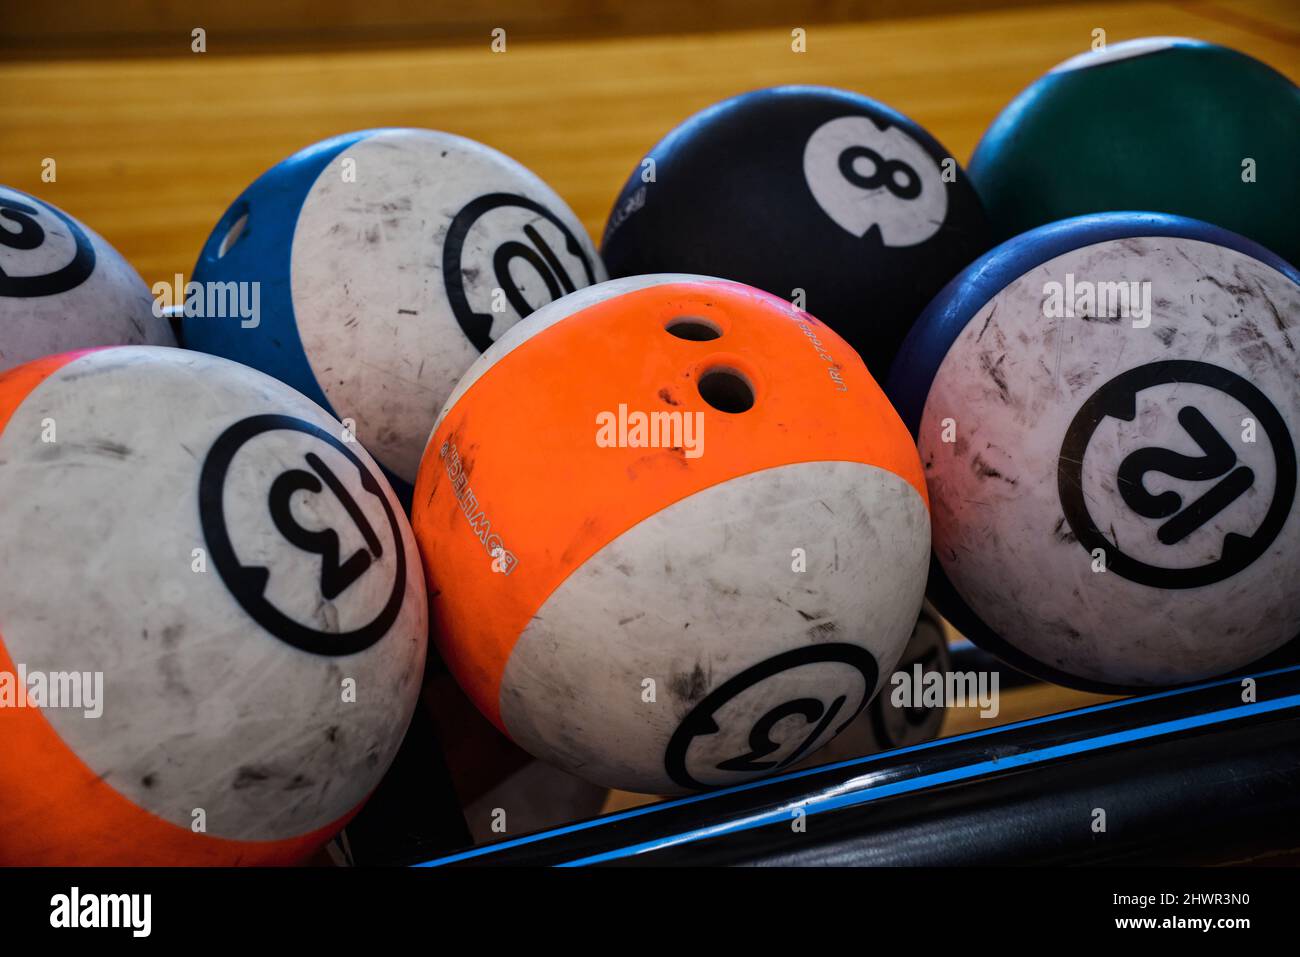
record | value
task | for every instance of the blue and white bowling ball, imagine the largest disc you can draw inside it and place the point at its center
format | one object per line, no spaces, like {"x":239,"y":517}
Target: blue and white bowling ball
{"x":387,"y":261}
{"x":1107,"y":410}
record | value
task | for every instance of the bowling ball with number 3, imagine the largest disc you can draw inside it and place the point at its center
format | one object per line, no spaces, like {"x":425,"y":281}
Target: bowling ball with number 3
{"x":233,"y":588}
{"x":820,"y":196}
{"x":1107,"y":409}
{"x":386,"y":261}
{"x":675,"y":535}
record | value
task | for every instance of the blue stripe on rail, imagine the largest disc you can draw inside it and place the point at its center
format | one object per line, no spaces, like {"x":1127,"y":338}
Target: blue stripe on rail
{"x":833,"y":802}
{"x":578,"y":826}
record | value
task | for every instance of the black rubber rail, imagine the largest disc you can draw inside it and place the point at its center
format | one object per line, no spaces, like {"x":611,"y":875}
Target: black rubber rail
{"x":1201,"y":774}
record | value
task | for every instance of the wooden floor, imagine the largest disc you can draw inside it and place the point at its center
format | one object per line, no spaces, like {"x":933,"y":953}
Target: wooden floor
{"x":150,"y":150}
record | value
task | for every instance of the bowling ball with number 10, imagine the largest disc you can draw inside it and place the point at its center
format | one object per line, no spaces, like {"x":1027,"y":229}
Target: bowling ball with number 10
{"x":388,"y":260}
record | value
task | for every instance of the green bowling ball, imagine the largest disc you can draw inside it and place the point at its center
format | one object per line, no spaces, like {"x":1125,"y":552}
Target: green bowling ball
{"x":1162,"y":124}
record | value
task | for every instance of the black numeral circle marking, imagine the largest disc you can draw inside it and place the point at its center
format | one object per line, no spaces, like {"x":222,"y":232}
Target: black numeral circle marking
{"x":31,"y":235}
{"x":884,"y":173}
{"x":1118,"y":399}
{"x":816,"y":714}
{"x":248,"y":582}
{"x":532,"y":249}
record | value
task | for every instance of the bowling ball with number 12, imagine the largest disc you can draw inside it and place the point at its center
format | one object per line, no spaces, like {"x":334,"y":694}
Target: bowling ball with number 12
{"x":1107,"y":410}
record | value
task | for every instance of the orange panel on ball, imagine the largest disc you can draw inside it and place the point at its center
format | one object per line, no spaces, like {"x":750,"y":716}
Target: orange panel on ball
{"x":96,"y":826}
{"x":17,"y":383}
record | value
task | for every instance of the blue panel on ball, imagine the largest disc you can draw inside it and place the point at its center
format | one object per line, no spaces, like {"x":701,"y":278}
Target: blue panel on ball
{"x":938,"y":327}
{"x":262,"y":253}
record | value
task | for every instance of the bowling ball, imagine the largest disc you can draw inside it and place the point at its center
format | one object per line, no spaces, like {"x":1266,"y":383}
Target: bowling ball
{"x":384,"y":262}
{"x":1107,"y":410}
{"x":213,"y":615}
{"x":823,"y":197}
{"x":892,"y":719}
{"x":63,"y":287}
{"x":897,"y":719}
{"x":1163,"y":123}
{"x":674,"y":534}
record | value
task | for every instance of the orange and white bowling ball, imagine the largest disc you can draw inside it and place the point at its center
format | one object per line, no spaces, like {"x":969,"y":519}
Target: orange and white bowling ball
{"x":212,"y":614}
{"x":675,"y":535}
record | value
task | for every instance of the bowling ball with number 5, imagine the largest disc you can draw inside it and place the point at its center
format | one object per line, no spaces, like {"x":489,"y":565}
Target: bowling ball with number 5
{"x":63,"y":287}
{"x":386,"y":262}
{"x":820,"y":196}
{"x":1107,"y":410}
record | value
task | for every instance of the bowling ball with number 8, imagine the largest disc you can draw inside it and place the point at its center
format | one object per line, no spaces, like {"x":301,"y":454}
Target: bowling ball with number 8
{"x":820,"y":196}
